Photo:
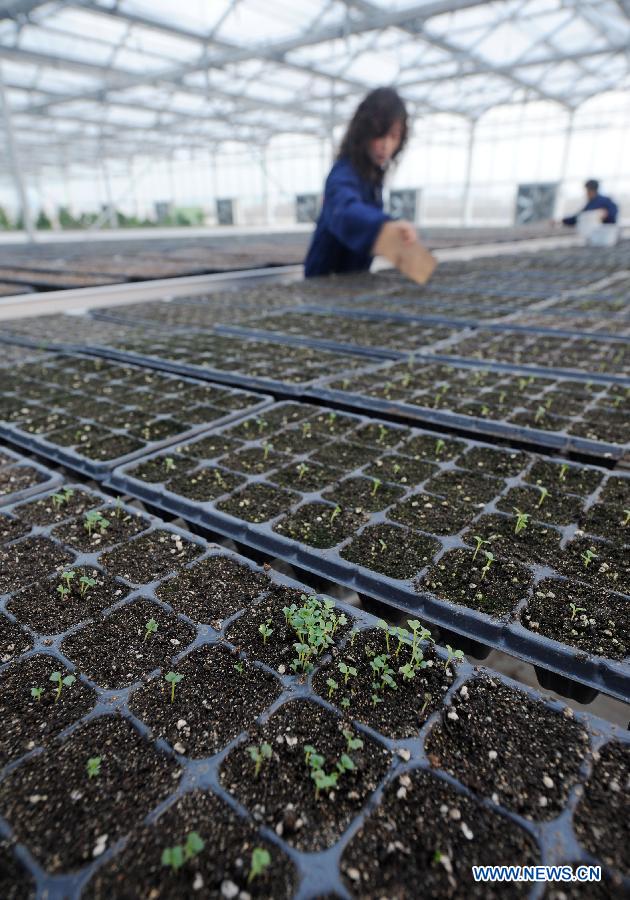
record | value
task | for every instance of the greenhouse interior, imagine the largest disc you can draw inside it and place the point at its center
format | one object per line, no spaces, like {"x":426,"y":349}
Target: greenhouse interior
{"x":314,"y":449}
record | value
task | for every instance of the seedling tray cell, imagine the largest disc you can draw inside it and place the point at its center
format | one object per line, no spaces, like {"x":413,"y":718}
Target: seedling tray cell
{"x":570,"y":415}
{"x":90,"y":414}
{"x":376,"y":507}
{"x":103,"y":787}
{"x":21,"y":477}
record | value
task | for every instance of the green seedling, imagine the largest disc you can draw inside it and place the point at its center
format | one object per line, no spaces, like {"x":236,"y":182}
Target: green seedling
{"x":62,"y":497}
{"x":382,"y":624}
{"x":345,"y":764}
{"x":540,"y":414}
{"x":302,"y":469}
{"x":543,"y":494}
{"x":262,"y":424}
{"x":453,"y":655}
{"x":427,"y":700}
{"x":626,"y":517}
{"x":420,"y":633}
{"x":62,"y":591}
{"x":376,"y":483}
{"x":376,"y":699}
{"x":408,"y":672}
{"x":382,"y":434}
{"x":315,"y":624}
{"x":265,"y":630}
{"x":36,"y":693}
{"x":67,"y":577}
{"x":396,"y":468}
{"x":175,"y":857}
{"x":332,"y":686}
{"x":259,"y":755}
{"x":240,"y":668}
{"x":151,"y":627}
{"x":306,"y":429}
{"x":173,"y":678}
{"x":345,"y":703}
{"x":383,"y":545}
{"x":68,"y":681}
{"x":347,"y":671}
{"x":85,"y":583}
{"x":562,"y":474}
{"x":489,"y":560}
{"x":266,"y":451}
{"x":169,"y":463}
{"x":336,"y":512}
{"x":93,"y":520}
{"x":575,"y":610}
{"x":521,"y":521}
{"x":261,"y":860}
{"x":403,"y":637}
{"x":587,"y":557}
{"x":220,"y":480}
{"x":479,"y":541}
{"x":440,"y":444}
{"x":332,"y":418}
{"x":93,"y":766}
{"x":352,"y":742}
{"x":353,"y":635}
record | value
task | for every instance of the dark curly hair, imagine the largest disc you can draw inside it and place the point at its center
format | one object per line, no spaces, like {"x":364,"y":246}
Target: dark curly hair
{"x":373,"y":118}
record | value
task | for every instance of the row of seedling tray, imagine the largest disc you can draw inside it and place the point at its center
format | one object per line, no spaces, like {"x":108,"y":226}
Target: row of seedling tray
{"x":357,"y":760}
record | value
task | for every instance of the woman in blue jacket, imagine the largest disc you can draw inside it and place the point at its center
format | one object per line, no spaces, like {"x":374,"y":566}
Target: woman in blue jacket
{"x":352,"y":214}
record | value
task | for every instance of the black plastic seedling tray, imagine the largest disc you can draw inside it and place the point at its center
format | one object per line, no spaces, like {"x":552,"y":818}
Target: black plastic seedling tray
{"x":502,"y":630}
{"x":90,"y":850}
{"x":347,"y":393}
{"x":28,"y":476}
{"x":61,"y":380}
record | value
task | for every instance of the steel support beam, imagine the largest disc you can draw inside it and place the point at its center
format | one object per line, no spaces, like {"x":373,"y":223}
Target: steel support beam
{"x":14,"y":161}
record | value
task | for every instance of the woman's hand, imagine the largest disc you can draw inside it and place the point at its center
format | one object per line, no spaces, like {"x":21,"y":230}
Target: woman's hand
{"x":406,"y":230}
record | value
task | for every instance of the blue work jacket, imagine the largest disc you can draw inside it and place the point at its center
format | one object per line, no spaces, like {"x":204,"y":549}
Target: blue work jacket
{"x":598,"y":202}
{"x":348,"y":225}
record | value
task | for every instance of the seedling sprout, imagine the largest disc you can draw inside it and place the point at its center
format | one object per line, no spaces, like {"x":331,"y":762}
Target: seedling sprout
{"x":261,"y":860}
{"x":489,"y":560}
{"x":336,"y":512}
{"x":479,"y":541}
{"x":575,"y":610}
{"x":521,"y":521}
{"x":62,"y":497}
{"x":93,"y":766}
{"x":94,"y":519}
{"x":543,"y":493}
{"x":376,"y":483}
{"x":85,"y":583}
{"x":332,"y":686}
{"x":173,"y":678}
{"x":440,"y":444}
{"x":562,"y":474}
{"x":36,"y":693}
{"x":587,"y":557}
{"x":151,"y":628}
{"x":265,"y":630}
{"x":68,"y":681}
{"x":259,"y":755}
{"x":302,"y":469}
{"x":169,"y":463}
{"x":626,"y":519}
{"x":175,"y":857}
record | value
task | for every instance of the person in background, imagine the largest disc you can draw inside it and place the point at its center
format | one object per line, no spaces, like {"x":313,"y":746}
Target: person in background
{"x":596,"y":201}
{"x":352,"y":216}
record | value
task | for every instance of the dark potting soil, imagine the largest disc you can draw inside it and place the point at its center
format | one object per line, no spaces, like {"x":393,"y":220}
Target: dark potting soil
{"x":56,"y":507}
{"x":505,"y":463}
{"x":464,"y":486}
{"x":363,"y":494}
{"x":305,"y":477}
{"x":212,"y":590}
{"x":283,"y":796}
{"x":13,"y":641}
{"x":28,"y":723}
{"x":220,"y":870}
{"x":524,"y":756}
{"x":258,"y":502}
{"x":426,"y":446}
{"x":111,"y":447}
{"x":298,"y":440}
{"x":396,"y":552}
{"x":277,"y":650}
{"x":254,"y":461}
{"x":557,"y":507}
{"x":147,"y":558}
{"x":320,"y":525}
{"x":211,"y":447}
{"x":616,"y":491}
{"x":121,"y":525}
{"x":113,"y":651}
{"x":195,"y":723}
{"x":47,"y":610}
{"x":562,"y":477}
{"x":436,"y":515}
{"x":67,"y":818}
{"x":161,"y":468}
{"x":401,"y":469}
{"x":602,"y":818}
{"x":424,"y":838}
{"x":459,"y":578}
{"x":581,"y":616}
{"x":28,"y":560}
{"x":11,"y":529}
{"x":535,"y":543}
{"x":204,"y":484}
{"x":16,"y":883}
{"x":380,"y":435}
{"x":608,"y":568}
{"x":606,"y":520}
{"x":397,"y":713}
{"x":18,"y":478}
